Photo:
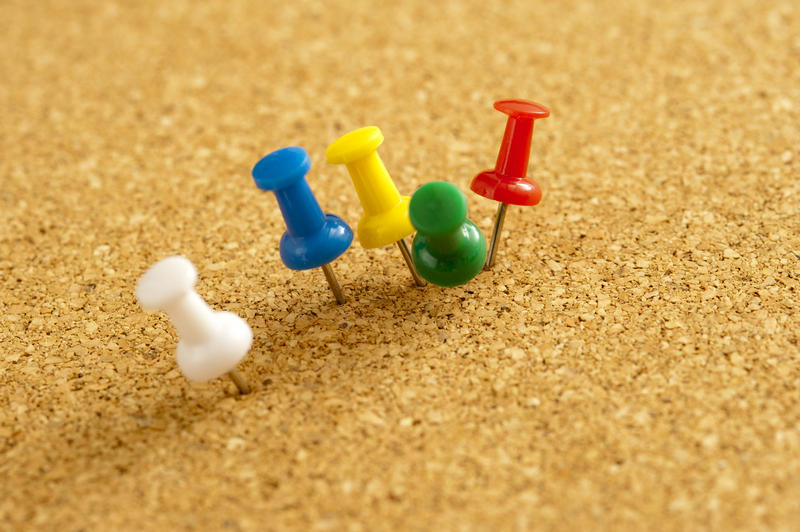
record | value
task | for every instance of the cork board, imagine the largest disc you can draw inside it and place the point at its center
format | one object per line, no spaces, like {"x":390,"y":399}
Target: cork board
{"x":630,"y":363}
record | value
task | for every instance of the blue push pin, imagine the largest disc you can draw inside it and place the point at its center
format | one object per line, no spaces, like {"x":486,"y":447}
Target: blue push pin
{"x":312,"y":239}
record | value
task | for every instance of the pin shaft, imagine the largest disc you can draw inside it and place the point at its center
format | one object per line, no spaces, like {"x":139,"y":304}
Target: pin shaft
{"x":498,"y":228}
{"x":239,"y":381}
{"x":410,"y":262}
{"x":333,"y":282}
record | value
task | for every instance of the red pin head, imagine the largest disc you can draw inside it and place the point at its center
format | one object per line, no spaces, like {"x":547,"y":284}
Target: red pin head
{"x":508,"y":182}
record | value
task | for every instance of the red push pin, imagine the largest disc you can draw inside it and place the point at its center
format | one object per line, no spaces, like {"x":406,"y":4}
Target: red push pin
{"x":508,"y":182}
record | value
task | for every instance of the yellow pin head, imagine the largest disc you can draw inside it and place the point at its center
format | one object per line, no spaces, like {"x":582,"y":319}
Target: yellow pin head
{"x":385,"y":219}
{"x":354,"y":145}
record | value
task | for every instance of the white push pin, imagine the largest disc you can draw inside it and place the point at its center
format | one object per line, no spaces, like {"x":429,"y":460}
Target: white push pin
{"x":211,"y":343}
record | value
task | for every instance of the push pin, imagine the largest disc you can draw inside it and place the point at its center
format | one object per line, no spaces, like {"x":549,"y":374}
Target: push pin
{"x":385,"y":219}
{"x":448,"y":250}
{"x":508,"y":182}
{"x":312,"y":239}
{"x":211,"y":343}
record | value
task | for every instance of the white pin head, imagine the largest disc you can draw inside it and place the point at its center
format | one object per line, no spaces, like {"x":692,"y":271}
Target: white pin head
{"x":211,"y":343}
{"x":166,"y":281}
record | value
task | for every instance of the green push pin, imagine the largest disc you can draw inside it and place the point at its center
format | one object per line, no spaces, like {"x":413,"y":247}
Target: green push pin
{"x":448,"y":250}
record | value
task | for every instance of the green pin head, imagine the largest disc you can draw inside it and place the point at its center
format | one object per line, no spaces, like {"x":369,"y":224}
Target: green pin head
{"x":448,"y":250}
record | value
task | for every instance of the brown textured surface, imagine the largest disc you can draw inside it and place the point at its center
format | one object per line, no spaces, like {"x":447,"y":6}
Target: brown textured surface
{"x":631,"y":361}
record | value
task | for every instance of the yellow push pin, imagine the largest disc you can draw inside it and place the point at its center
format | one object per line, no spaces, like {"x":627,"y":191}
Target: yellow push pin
{"x":385,"y":219}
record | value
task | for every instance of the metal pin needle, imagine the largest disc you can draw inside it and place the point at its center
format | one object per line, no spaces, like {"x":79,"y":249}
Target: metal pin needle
{"x":409,"y":262}
{"x":498,"y":228}
{"x":239,"y":381}
{"x":333,"y":282}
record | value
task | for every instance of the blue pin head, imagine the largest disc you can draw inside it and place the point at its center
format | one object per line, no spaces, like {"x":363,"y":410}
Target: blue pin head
{"x":281,"y":168}
{"x":312,"y":238}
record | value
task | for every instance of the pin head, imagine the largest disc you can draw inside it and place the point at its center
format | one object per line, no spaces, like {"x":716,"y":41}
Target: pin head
{"x":508,"y":181}
{"x":220,"y":354}
{"x":165,"y":281}
{"x":281,"y":168}
{"x":354,"y":145}
{"x":210,"y":343}
{"x":448,"y":249}
{"x":312,"y":238}
{"x":385,"y":219}
{"x":519,"y":191}
{"x":318,"y":249}
{"x":522,"y":109}
{"x":437,"y":208}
